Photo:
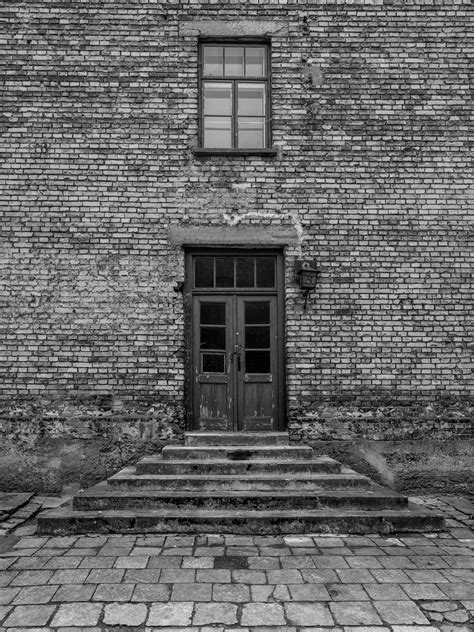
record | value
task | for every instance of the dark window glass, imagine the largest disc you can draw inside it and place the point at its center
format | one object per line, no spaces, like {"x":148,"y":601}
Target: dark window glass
{"x":204,"y":272}
{"x":234,"y":61}
{"x":255,"y":61}
{"x":245,"y":272}
{"x":224,"y":272}
{"x":257,"y":361}
{"x":257,"y":313}
{"x":213,"y":61}
{"x":266,"y":272}
{"x":213,"y":313}
{"x":212,"y":337}
{"x":257,"y":337}
{"x":213,"y":363}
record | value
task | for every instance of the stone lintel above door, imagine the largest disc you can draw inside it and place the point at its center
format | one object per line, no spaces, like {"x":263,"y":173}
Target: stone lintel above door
{"x":249,"y":236}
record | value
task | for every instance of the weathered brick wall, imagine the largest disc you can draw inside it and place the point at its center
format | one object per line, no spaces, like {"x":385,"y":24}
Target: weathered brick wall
{"x":98,"y":125}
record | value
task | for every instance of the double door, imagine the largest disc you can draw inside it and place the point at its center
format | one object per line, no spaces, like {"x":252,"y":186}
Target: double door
{"x":236,"y":358}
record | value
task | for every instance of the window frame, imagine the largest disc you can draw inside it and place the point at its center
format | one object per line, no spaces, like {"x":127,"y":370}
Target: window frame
{"x":267,"y":80}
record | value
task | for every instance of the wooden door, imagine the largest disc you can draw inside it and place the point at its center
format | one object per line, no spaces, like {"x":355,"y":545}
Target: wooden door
{"x":236,"y":364}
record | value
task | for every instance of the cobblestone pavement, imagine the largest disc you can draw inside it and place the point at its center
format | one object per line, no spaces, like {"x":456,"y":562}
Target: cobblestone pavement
{"x":298,"y":583}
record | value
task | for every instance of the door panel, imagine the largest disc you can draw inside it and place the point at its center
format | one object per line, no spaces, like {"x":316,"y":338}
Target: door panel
{"x":212,"y":335}
{"x":257,"y":391}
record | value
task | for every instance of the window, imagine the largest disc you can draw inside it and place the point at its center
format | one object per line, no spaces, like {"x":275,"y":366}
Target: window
{"x":234,"y":111}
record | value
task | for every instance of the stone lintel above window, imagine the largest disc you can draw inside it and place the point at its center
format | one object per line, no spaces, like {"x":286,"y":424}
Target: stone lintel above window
{"x":237,"y":28}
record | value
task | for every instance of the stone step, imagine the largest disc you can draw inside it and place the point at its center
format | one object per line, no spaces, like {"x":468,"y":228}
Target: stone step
{"x":66,"y":521}
{"x":103,"y":498}
{"x":240,"y":481}
{"x":236,"y":453}
{"x":159,"y":465}
{"x":235,"y":438}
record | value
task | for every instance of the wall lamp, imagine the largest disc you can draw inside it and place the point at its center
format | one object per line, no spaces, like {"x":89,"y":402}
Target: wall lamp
{"x":306,"y":276}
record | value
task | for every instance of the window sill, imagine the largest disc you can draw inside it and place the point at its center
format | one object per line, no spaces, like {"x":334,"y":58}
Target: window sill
{"x":266,"y":151}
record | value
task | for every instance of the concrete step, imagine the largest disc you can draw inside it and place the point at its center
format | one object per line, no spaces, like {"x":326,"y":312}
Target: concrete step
{"x":103,"y":498}
{"x":159,"y":465}
{"x":241,"y":481}
{"x":235,"y":438}
{"x":66,"y":521}
{"x":236,"y":453}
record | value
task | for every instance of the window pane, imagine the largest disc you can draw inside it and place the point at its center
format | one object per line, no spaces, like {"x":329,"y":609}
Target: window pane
{"x":217,"y":98}
{"x":245,"y":272}
{"x":224,"y":272}
{"x":257,"y":312}
{"x":257,"y":361}
{"x":251,"y":99}
{"x":213,"y":61}
{"x":212,"y":337}
{"x":217,"y":131}
{"x":255,"y":62}
{"x":213,"y":313}
{"x":257,"y":337}
{"x":204,"y":272}
{"x":265,"y":272}
{"x":251,"y":132}
{"x":234,"y":61}
{"x":213,"y":363}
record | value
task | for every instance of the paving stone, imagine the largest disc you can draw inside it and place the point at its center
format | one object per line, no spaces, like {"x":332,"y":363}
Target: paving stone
{"x":390,"y":576}
{"x":69,"y":576}
{"x":287,"y":576}
{"x":398,"y":612}
{"x":105,"y":575}
{"x":354,"y":613}
{"x":151,"y":592}
{"x":309,"y":592}
{"x":4,"y":610}
{"x":298,"y":561}
{"x":192,"y":592}
{"x":457,"y":616}
{"x":125,"y":614}
{"x":385,"y":592}
{"x":263,"y":614}
{"x":363,"y":561}
{"x":142,"y":575}
{"x":171,"y":614}
{"x":97,"y":562}
{"x":139,"y":561}
{"x":7,"y":594}
{"x":75,"y":614}
{"x":347,"y":592}
{"x":165,"y":562}
{"x":35,"y":594}
{"x":431,"y":576}
{"x":355,"y":576}
{"x":458,"y":591}
{"x":415,"y":628}
{"x":74,"y":592}
{"x":229,"y":592}
{"x":31,"y":578}
{"x":173,"y":576}
{"x":327,"y":561}
{"x":263,"y":563}
{"x":281,"y":593}
{"x":62,"y":562}
{"x":249,"y":577}
{"x":438,"y":606}
{"x":198,"y":562}
{"x":423,"y":591}
{"x":212,"y":613}
{"x":220,"y":576}
{"x":308,"y":614}
{"x":113,"y":592}
{"x":298,"y":540}
{"x":262,"y":593}
{"x":27,"y":616}
{"x":319,"y":576}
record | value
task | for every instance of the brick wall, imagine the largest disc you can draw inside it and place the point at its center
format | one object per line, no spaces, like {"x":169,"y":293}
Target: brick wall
{"x":98,"y":125}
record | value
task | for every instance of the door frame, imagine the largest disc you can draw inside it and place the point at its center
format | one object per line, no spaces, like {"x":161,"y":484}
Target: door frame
{"x":189,"y":293}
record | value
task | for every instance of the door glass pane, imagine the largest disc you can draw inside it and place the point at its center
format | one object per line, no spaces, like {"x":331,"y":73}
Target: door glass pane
{"x":251,"y":99}
{"x":213,"y":313}
{"x":217,"y":132}
{"x":255,"y":62}
{"x":265,"y":272}
{"x":224,"y":272}
{"x":213,"y":61}
{"x":204,"y":272}
{"x":213,"y":363}
{"x":251,"y":132}
{"x":257,"y":313}
{"x":257,"y":337}
{"x":245,"y":272}
{"x":212,"y":337}
{"x":217,"y":98}
{"x":234,"y":61}
{"x":257,"y":361}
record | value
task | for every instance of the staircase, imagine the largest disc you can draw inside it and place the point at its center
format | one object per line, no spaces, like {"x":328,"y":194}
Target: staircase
{"x":254,"y":483}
